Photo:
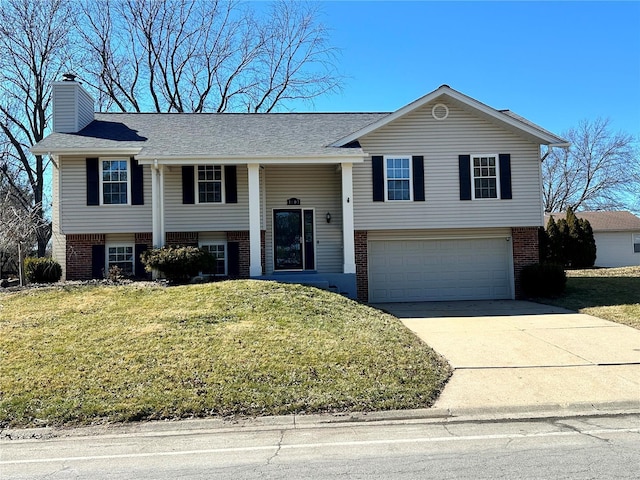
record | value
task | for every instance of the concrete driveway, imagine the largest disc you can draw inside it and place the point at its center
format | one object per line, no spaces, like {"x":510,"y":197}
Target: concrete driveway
{"x":514,"y":355}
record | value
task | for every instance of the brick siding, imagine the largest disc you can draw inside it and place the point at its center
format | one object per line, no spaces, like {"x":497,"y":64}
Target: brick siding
{"x":362,"y":265}
{"x":242,"y":237}
{"x":183,"y":239}
{"x":525,"y":252}
{"x":78,"y":253}
{"x":144,"y":238}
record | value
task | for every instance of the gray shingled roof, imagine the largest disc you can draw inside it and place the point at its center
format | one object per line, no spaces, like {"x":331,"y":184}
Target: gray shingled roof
{"x":228,"y":134}
{"x":605,"y":221}
{"x":526,"y":122}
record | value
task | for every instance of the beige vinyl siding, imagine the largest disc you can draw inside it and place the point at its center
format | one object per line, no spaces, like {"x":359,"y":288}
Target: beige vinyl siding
{"x":74,"y":107}
{"x":64,"y":115}
{"x":58,"y":241}
{"x":319,"y":188}
{"x":77,"y":217}
{"x":208,"y":237}
{"x":441,"y":142}
{"x":119,"y":239}
{"x":85,"y":108}
{"x":213,"y":217}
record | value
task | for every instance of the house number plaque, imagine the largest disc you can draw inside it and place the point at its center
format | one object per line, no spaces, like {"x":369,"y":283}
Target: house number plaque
{"x":293,"y":201}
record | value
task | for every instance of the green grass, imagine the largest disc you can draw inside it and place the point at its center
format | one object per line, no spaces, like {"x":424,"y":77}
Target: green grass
{"x":104,"y":354}
{"x":609,"y":293}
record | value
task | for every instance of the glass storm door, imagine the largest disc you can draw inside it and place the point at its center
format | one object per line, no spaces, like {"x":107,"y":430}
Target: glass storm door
{"x":293,"y":239}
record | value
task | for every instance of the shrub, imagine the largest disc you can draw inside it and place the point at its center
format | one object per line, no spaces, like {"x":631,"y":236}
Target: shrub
{"x":42,"y":270}
{"x":543,"y":280}
{"x":177,"y":264}
{"x":115,"y":274}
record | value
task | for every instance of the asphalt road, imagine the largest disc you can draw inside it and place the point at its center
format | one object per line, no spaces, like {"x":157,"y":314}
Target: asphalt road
{"x":595,"y":447}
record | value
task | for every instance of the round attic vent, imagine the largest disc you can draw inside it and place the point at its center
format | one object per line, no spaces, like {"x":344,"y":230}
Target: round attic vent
{"x":440,"y":111}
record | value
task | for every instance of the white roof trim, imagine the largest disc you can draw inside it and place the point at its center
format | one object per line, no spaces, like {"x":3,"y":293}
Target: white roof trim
{"x":544,"y":137}
{"x":239,"y":160}
{"x":86,"y":151}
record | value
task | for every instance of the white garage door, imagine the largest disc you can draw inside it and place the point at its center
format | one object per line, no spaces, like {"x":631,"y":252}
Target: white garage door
{"x":428,"y":270}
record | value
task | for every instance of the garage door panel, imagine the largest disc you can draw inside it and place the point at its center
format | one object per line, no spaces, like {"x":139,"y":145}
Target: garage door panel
{"x":415,"y":270}
{"x":414,"y":277}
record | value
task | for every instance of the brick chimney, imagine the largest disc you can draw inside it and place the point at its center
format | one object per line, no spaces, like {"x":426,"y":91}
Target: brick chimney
{"x":72,"y":105}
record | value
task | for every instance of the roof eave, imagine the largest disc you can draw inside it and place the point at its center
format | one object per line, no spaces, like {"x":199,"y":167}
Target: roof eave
{"x":244,"y":160}
{"x":37,"y":150}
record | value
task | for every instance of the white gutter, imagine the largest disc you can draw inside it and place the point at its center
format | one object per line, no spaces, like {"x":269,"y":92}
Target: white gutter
{"x":87,"y":151}
{"x":242,"y":160}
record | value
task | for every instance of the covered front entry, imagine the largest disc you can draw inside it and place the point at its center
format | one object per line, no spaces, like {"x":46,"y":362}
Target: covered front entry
{"x":441,"y":269}
{"x":293,"y":236}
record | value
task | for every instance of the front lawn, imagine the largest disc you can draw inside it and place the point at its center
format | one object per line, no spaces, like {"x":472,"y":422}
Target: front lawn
{"x":80,"y":355}
{"x":609,"y":293}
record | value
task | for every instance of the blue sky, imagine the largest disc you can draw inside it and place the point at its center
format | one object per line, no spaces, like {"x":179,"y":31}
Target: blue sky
{"x":554,"y":63}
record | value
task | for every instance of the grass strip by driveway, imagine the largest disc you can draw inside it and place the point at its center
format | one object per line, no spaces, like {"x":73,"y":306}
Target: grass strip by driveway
{"x":102,"y":354}
{"x":609,"y":293}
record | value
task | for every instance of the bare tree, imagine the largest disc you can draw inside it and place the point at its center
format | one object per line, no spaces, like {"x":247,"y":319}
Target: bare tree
{"x":600,"y":171}
{"x":196,"y":56}
{"x":18,"y":225}
{"x":33,"y":43}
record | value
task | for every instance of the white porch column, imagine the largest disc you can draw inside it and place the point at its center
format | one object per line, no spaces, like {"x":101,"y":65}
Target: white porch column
{"x":157,"y":205}
{"x":161,"y":207}
{"x":255,"y":249}
{"x":347,"y":219}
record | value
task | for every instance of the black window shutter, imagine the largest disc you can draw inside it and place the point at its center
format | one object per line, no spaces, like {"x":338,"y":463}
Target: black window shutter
{"x":377,"y":165}
{"x":230,"y":184}
{"x":418,"y":178}
{"x":93,"y":182}
{"x":97,"y":261}
{"x":137,"y":183}
{"x":233,"y":259}
{"x":505,"y":176}
{"x":188,"y":185}
{"x":464,"y":170}
{"x":139,"y":266}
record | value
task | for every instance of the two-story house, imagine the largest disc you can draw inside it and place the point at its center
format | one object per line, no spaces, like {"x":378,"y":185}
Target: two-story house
{"x":438,"y":200}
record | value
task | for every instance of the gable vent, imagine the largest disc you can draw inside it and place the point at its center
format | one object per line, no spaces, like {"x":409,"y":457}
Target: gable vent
{"x":440,"y":111}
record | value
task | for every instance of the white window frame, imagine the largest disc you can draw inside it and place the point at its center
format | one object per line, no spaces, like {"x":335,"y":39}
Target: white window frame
{"x":386,"y":179}
{"x":197,"y":185}
{"x":101,"y":161}
{"x":635,"y":240}
{"x":118,"y":245}
{"x":208,"y":243}
{"x":473,"y":177}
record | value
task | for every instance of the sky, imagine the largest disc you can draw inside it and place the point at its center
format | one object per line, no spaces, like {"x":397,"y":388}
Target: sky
{"x":554,"y":63}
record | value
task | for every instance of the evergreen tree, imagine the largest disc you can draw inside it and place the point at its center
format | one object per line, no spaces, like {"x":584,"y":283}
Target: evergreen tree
{"x":573,"y":240}
{"x":555,"y":243}
{"x":543,"y":245}
{"x":588,"y":246}
{"x":569,"y":242}
{"x":563,"y":241}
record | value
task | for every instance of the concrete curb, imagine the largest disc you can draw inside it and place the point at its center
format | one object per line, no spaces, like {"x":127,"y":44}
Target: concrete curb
{"x":285,"y":422}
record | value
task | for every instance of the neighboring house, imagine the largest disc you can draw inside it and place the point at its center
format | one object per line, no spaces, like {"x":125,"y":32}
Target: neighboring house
{"x":617,"y":236}
{"x":439,"y":200}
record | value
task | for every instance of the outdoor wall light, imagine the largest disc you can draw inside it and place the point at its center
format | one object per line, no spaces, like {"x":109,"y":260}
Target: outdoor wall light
{"x":328,"y":217}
